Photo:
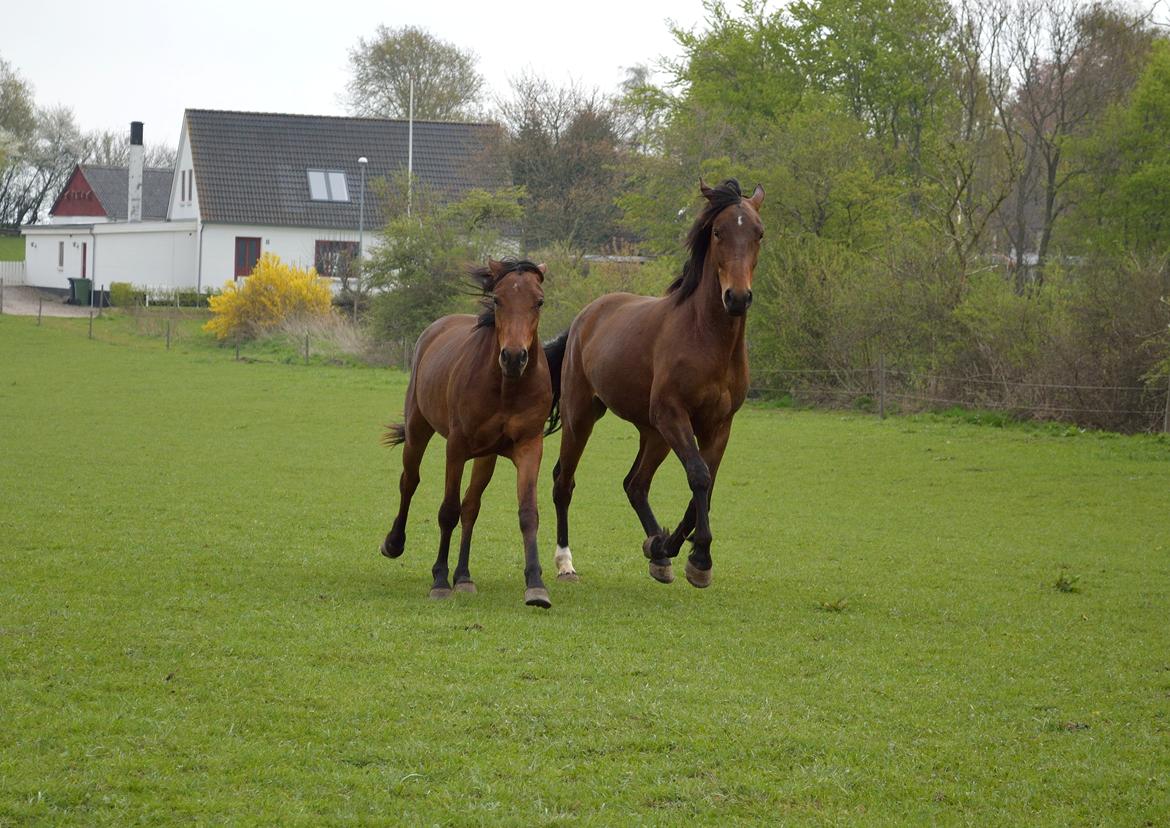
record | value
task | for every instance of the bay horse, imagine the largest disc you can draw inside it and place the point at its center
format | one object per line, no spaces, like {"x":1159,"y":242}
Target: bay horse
{"x":675,"y":366}
{"x":483,"y":383}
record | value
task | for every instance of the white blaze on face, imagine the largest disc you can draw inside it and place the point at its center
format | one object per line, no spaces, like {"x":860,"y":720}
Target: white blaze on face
{"x":563,"y":559}
{"x":739,"y":220}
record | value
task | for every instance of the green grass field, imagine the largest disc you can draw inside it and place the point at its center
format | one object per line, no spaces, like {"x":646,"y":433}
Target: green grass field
{"x":11,"y":248}
{"x":196,"y":627}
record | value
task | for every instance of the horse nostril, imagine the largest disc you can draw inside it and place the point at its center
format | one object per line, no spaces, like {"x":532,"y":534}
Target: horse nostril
{"x":727,"y":297}
{"x":523,"y":356}
{"x":749,"y":297}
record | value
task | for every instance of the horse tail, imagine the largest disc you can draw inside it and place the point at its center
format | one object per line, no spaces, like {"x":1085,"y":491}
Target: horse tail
{"x":395,"y":435}
{"x":554,"y":354}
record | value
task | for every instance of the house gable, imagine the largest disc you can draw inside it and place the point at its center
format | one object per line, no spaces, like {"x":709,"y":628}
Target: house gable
{"x":78,"y":198}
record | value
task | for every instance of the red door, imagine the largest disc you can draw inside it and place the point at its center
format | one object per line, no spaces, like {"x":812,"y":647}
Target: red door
{"x":84,"y":248}
{"x":247,"y":254}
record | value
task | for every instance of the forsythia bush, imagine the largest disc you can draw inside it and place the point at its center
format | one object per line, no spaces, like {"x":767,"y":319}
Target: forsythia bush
{"x":273,"y":293}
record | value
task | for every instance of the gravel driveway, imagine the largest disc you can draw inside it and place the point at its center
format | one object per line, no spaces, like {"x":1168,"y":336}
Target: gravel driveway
{"x":21,"y":300}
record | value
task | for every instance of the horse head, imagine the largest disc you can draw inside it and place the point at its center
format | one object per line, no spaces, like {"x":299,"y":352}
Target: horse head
{"x":736,"y":233}
{"x":513,"y":289}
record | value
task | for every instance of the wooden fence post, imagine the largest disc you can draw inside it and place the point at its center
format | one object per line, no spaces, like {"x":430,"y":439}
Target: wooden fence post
{"x":1,"y":295}
{"x":882,"y":384}
{"x":1166,"y":413}
{"x":40,"y":302}
{"x":91,"y":323}
{"x":168,"y":334}
{"x":101,"y":301}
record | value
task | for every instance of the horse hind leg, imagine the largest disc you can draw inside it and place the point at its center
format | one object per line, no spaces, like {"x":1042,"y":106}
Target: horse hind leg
{"x":481,"y":475}
{"x":578,"y":419}
{"x":448,"y":518}
{"x":417,"y":433}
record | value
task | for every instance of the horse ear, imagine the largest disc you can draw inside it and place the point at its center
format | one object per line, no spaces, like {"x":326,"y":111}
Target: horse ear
{"x":543,"y":268}
{"x":757,"y":198}
{"x":704,"y":189}
{"x":497,"y":268}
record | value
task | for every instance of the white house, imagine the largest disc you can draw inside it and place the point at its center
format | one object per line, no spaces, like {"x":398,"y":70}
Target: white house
{"x":246,"y":183}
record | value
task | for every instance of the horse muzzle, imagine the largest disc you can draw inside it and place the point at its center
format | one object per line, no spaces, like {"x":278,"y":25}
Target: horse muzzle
{"x":513,"y":361}
{"x":737,"y":304}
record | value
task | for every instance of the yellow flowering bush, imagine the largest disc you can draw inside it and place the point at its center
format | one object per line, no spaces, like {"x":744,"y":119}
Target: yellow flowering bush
{"x":274,"y":293}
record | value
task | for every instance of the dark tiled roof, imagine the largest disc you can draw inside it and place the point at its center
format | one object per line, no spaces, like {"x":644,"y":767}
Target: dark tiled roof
{"x":112,"y":187}
{"x":250,"y":167}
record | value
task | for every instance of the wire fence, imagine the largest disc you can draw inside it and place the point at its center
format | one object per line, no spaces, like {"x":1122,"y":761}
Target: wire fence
{"x":882,"y":389}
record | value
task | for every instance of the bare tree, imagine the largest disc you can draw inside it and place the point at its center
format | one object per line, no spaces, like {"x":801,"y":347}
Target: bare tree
{"x":112,"y":149}
{"x":1068,"y":61}
{"x":447,"y":85}
{"x":42,"y":168}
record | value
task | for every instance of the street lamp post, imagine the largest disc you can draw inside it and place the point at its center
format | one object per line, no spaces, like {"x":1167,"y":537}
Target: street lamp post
{"x":361,"y":234}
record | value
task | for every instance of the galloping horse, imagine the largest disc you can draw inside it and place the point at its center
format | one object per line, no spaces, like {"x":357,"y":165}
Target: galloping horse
{"x":483,"y":383}
{"x":675,"y":366}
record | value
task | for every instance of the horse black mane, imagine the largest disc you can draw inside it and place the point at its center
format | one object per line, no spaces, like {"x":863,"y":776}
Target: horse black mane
{"x":487,"y":280}
{"x":699,"y":237}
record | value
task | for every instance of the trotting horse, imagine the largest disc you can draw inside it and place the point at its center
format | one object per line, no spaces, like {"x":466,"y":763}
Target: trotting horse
{"x":676,"y":367}
{"x":483,"y":383}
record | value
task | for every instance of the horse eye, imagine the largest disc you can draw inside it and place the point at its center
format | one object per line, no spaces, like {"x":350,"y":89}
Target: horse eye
{"x":716,"y":234}
{"x":496,"y":301}
{"x":540,"y":303}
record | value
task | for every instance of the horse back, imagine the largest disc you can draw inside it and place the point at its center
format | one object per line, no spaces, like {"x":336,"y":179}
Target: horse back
{"x":636,"y":352}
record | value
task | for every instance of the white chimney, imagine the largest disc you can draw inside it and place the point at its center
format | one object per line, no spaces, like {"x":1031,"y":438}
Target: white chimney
{"x":134,"y":209}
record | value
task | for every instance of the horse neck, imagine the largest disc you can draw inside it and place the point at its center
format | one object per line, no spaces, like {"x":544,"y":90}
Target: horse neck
{"x":711,"y":319}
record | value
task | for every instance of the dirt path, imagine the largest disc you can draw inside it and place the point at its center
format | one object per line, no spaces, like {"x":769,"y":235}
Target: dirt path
{"x":22,"y":300}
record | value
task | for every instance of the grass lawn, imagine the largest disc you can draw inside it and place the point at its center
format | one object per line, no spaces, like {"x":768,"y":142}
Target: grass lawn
{"x":11,"y":248}
{"x":196,"y":627}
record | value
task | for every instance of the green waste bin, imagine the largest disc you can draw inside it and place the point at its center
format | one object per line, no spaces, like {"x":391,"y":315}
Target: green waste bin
{"x":80,"y":291}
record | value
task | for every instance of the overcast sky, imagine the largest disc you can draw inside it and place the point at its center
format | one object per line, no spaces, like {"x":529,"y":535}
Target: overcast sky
{"x":122,"y":61}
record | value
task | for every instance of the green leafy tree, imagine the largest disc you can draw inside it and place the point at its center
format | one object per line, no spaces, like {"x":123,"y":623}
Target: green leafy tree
{"x":447,"y":85}
{"x":418,"y":272}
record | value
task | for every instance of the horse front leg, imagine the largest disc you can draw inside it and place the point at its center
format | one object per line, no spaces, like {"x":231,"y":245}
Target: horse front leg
{"x":675,"y":427}
{"x":526,"y":456}
{"x":481,"y":475}
{"x":652,"y":450}
{"x":712,"y":449}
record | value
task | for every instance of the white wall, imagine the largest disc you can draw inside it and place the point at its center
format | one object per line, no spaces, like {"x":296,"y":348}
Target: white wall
{"x":155,"y":254}
{"x":294,"y":245}
{"x":179,"y":209}
{"x":41,"y":250}
{"x":156,"y":259}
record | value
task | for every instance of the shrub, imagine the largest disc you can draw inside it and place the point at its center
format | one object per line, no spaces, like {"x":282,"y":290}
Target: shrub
{"x":122,"y":294}
{"x":273,"y":294}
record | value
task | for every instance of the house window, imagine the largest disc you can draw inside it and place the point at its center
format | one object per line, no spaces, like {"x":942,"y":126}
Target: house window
{"x":247,"y":254}
{"x":190,"y":186}
{"x":60,"y":254}
{"x":183,"y":187}
{"x":328,"y":185}
{"x":334,"y":258}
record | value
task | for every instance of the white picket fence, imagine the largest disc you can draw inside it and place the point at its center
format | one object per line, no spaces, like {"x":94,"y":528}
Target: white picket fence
{"x":12,"y":273}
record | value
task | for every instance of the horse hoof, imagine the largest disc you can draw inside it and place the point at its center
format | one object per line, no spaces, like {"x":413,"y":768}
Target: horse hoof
{"x":439,"y":593}
{"x":663,"y":573}
{"x":537,"y":597}
{"x":465,"y":586}
{"x":655,"y":547}
{"x":700,"y":578}
{"x":391,"y":551}
{"x":568,"y":576}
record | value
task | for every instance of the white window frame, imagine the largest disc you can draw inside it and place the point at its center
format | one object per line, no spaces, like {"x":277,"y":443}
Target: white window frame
{"x":336,"y":185}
